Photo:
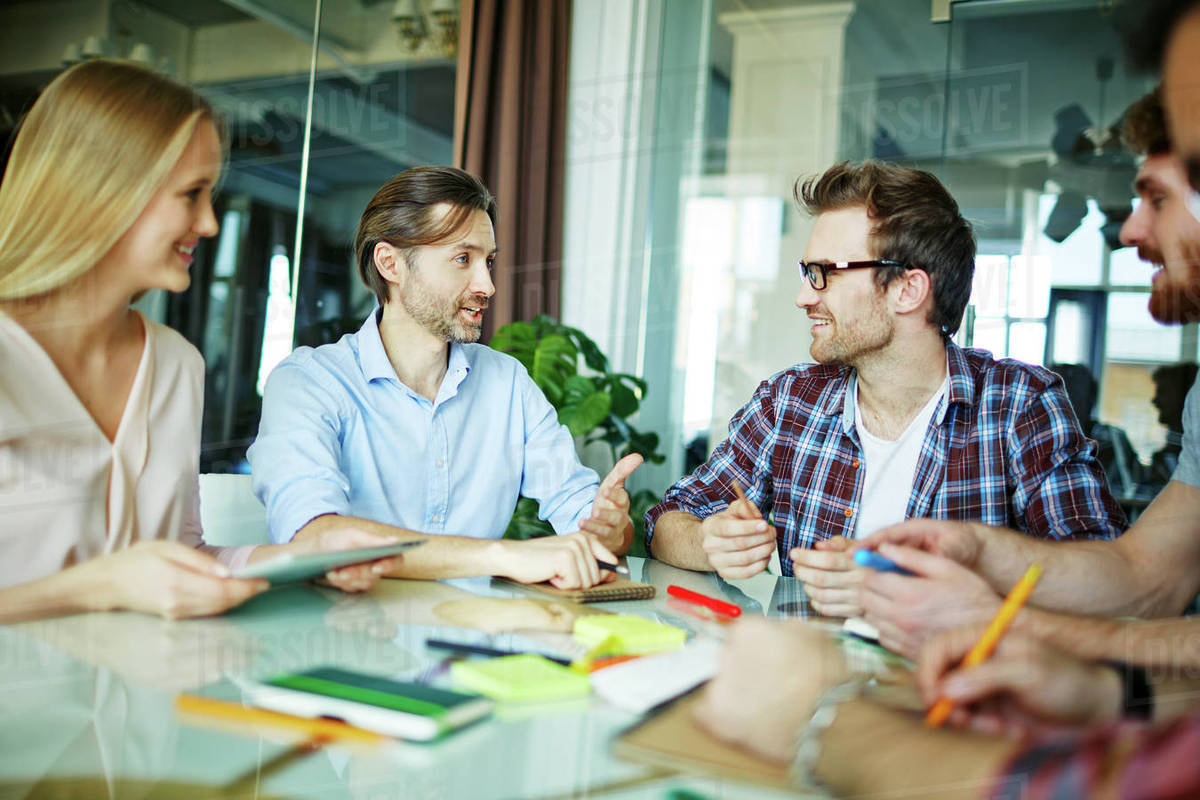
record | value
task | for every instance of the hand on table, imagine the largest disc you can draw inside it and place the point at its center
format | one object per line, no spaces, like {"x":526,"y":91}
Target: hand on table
{"x":169,"y":579}
{"x":907,"y":610}
{"x":832,"y":581}
{"x":1026,"y":685}
{"x":737,"y":541}
{"x":610,"y":522}
{"x":770,"y":677}
{"x":568,"y":562}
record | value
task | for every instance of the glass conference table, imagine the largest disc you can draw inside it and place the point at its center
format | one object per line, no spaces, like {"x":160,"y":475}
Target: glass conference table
{"x":87,"y":702}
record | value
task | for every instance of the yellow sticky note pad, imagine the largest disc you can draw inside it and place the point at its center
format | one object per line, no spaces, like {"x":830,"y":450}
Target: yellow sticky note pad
{"x":519,"y":679}
{"x":629,"y":634}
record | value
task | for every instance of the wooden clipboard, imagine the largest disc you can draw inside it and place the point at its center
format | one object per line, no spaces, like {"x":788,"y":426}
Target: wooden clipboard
{"x":672,"y":740}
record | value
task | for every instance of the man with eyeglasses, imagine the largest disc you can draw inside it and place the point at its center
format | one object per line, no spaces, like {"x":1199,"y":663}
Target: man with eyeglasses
{"x":894,"y":420}
{"x":1066,"y":716}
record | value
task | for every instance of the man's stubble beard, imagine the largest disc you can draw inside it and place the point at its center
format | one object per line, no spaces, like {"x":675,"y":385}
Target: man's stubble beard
{"x":438,"y":317}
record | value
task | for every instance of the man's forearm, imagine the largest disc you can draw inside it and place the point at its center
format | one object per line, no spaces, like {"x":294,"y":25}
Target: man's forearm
{"x":440,"y":557}
{"x":1086,"y":577}
{"x":953,"y":764}
{"x":677,"y":541}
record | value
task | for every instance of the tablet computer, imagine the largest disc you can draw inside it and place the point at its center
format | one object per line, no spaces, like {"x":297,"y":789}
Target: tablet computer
{"x":394,"y":708}
{"x":289,"y":568}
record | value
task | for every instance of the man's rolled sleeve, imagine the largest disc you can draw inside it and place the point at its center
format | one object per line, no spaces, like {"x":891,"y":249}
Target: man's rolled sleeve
{"x":552,"y":472}
{"x":295,"y":459}
{"x":1061,"y":489}
{"x":743,"y":457}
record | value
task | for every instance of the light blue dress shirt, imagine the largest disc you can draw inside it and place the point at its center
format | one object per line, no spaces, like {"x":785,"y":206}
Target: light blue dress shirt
{"x":340,"y":434}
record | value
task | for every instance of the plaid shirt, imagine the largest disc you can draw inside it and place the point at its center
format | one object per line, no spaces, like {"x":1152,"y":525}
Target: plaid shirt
{"x":1127,"y":759}
{"x":1003,"y":448}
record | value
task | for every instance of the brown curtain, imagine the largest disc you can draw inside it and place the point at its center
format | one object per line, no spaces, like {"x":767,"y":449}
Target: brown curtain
{"x":510,"y":130}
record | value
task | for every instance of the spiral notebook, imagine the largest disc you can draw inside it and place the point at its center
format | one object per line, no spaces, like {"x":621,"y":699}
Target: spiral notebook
{"x":620,"y":589}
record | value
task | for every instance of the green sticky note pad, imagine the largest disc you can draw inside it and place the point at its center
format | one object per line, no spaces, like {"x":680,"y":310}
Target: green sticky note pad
{"x":628,"y":634}
{"x":519,"y":679}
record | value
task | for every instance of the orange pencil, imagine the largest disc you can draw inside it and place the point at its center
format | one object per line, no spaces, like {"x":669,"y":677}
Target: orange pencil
{"x":317,"y":730}
{"x":990,"y":638}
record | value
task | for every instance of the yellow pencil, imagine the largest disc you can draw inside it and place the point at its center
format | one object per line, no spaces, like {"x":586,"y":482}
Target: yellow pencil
{"x":317,"y":730}
{"x":990,"y":638}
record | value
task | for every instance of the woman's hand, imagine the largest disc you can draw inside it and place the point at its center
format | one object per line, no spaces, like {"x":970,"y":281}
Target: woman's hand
{"x":165,"y":578}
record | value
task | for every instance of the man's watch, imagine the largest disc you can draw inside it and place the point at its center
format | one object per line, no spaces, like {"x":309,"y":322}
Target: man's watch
{"x":808,"y":742}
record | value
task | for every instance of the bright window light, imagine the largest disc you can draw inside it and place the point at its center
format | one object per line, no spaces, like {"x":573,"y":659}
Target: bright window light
{"x":277,"y":330}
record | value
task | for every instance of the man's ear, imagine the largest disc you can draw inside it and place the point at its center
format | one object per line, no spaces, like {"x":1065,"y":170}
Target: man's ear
{"x":389,"y":261}
{"x":911,"y":291}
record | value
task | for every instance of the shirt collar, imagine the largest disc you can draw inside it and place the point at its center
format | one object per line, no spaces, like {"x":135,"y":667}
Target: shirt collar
{"x":372,"y":358}
{"x":375,"y":364}
{"x":961,"y":389}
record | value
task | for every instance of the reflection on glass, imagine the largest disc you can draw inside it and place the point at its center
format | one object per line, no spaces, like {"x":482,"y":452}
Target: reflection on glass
{"x":1134,"y":336}
{"x":991,"y":335}
{"x":989,"y":289}
{"x":1076,"y":261}
{"x":1027,"y":342}
{"x":1029,"y":286}
{"x":1069,"y":345}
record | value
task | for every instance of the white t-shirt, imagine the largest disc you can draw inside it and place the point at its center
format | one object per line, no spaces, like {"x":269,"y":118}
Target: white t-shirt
{"x":890,"y":467}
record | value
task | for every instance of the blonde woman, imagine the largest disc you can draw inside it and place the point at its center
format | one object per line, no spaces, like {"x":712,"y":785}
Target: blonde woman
{"x":107,"y":192}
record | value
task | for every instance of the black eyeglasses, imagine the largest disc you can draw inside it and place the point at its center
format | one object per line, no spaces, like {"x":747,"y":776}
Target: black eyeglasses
{"x":816,"y":272}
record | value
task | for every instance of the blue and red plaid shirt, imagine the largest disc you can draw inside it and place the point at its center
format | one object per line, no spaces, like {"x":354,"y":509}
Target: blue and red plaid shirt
{"x":1003,"y":448}
{"x":1127,"y":759}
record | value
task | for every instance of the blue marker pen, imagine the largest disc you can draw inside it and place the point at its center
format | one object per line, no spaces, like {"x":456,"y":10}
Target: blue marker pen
{"x":872,"y":560}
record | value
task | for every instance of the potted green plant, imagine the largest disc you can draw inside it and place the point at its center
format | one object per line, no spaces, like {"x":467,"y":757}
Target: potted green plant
{"x":594,"y":403}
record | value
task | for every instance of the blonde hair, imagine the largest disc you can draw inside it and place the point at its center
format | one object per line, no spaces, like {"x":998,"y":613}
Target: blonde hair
{"x":95,"y":147}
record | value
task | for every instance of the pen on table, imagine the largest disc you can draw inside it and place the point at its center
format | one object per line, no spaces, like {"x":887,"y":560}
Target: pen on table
{"x":484,"y":650}
{"x":990,"y":638}
{"x":617,"y":568}
{"x":317,"y":729}
{"x":719,"y":606}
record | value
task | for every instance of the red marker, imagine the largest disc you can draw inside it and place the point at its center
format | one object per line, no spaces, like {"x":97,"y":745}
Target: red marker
{"x":720,"y":606}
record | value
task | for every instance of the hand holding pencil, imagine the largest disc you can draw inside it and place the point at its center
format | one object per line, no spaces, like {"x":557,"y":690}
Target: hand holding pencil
{"x":737,"y":541}
{"x":991,"y":636}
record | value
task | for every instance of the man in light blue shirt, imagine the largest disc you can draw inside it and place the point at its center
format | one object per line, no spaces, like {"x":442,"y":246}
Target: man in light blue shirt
{"x":407,"y":428}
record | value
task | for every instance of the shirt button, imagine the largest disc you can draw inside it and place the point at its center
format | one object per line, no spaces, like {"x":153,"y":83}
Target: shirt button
{"x":436,"y":518}
{"x":439,"y":463}
{"x":849,"y":513}
{"x":856,"y":463}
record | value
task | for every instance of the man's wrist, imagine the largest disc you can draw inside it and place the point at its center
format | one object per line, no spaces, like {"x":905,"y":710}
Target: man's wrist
{"x":810,"y":741}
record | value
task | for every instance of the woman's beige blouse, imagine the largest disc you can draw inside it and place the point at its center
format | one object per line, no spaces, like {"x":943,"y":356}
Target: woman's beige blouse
{"x":66,"y":493}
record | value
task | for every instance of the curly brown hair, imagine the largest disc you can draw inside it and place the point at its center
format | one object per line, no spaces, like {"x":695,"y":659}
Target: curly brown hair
{"x":1144,"y":130}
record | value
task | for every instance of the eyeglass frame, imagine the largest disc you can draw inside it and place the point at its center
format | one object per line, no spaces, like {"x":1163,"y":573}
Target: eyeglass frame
{"x":809,"y":274}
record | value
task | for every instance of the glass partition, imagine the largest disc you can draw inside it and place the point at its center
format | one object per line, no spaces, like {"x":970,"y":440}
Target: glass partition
{"x":382,"y":100}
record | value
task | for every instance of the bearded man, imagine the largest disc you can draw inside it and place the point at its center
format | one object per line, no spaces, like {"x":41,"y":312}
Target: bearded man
{"x":894,"y":420}
{"x":408,"y":428}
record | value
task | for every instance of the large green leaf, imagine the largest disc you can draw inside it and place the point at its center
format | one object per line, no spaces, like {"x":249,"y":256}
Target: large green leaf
{"x":519,"y":340}
{"x":624,"y":401}
{"x":553,"y":364}
{"x":525,"y":523}
{"x":580,"y":418}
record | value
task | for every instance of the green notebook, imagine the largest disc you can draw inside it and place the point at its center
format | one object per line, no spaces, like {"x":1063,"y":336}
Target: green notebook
{"x":629,"y":634}
{"x":519,"y":679}
{"x":395,"y":708}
